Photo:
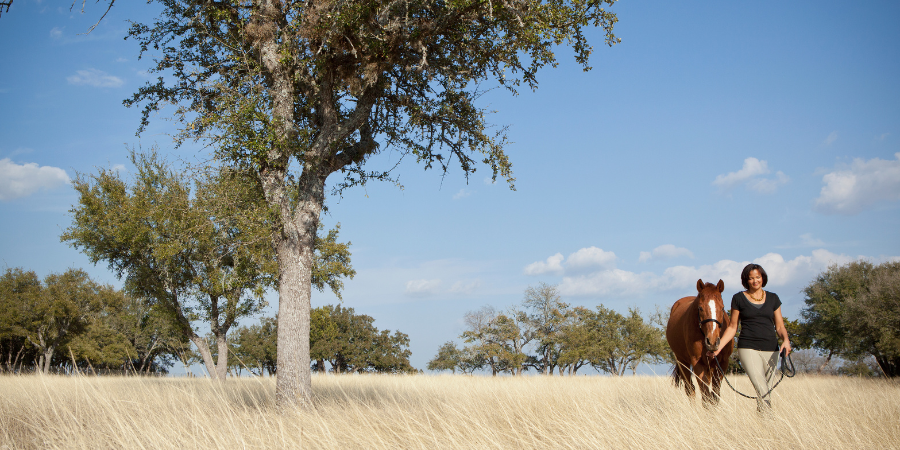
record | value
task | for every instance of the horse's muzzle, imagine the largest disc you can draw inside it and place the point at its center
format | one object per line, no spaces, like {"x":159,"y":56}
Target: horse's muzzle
{"x":709,"y":345}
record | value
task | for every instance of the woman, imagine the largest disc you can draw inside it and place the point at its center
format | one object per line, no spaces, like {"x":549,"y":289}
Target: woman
{"x":759,"y":314}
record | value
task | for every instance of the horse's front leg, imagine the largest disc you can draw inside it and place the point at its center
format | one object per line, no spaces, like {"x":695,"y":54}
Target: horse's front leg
{"x":708,"y":382}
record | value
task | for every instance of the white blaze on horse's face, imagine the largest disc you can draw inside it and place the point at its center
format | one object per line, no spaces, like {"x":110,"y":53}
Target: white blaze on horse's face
{"x":712,"y":313}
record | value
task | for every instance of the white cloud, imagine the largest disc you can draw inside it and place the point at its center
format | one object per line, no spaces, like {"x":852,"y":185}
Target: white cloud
{"x":766,"y":185}
{"x":882,"y":137}
{"x":56,"y":33}
{"x":751,"y":175}
{"x":863,"y":184}
{"x":606,"y":283}
{"x":831,"y":138}
{"x":463,"y":193}
{"x":94,"y":77}
{"x":667,"y":251}
{"x":752,"y":167}
{"x":23,"y":180}
{"x":584,"y":260}
{"x":422,"y":288}
{"x":622,"y":283}
{"x":553,"y":264}
{"x":590,"y":258}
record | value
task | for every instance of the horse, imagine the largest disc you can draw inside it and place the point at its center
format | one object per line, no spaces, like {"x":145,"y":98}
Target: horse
{"x":695,"y":326}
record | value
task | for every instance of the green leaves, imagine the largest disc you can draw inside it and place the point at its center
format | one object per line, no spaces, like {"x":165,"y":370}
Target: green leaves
{"x":853,"y":310}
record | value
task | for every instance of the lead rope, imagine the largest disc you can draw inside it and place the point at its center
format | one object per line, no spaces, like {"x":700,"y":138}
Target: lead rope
{"x":785,"y":360}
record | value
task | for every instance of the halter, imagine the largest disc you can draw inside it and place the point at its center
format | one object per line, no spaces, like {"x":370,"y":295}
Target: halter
{"x":711,"y":320}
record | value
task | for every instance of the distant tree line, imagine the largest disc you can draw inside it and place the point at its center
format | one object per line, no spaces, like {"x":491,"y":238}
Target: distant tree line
{"x":68,"y":323}
{"x":549,"y":336}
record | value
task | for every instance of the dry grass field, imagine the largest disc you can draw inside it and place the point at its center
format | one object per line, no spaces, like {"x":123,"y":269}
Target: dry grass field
{"x":441,"y":412}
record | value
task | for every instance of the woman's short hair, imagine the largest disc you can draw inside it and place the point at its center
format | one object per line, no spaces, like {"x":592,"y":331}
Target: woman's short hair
{"x":745,"y":275}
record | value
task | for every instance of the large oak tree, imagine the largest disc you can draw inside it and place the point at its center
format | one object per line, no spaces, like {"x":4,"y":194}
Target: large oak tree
{"x":293,"y":92}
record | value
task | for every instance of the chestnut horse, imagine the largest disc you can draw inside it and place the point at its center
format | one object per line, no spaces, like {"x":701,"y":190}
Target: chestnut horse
{"x":695,"y":326}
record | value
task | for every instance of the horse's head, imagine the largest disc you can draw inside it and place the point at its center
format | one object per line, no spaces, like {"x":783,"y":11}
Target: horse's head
{"x":712,"y":313}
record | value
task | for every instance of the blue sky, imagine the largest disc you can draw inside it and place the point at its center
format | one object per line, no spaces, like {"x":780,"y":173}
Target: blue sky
{"x":715,"y":134}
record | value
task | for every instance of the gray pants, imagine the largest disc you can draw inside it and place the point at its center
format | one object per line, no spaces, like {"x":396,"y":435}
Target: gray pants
{"x":760,"y":367}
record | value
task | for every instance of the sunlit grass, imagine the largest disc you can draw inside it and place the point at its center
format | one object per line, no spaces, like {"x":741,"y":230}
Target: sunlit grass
{"x":441,"y":412}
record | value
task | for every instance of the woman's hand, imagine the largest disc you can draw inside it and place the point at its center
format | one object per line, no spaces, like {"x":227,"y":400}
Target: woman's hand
{"x":785,"y":348}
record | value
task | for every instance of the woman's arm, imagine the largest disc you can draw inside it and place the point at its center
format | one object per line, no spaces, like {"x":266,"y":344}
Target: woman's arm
{"x":782,"y":332}
{"x":728,"y":334}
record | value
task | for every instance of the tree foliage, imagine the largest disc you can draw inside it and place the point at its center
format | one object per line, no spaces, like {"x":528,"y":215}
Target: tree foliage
{"x":323,"y":86}
{"x":448,"y":358}
{"x":350,"y":343}
{"x":558,"y":337}
{"x":197,"y":247}
{"x":498,"y":340}
{"x":69,"y":321}
{"x":852,"y":311}
{"x":340,"y":339}
{"x":546,"y":314}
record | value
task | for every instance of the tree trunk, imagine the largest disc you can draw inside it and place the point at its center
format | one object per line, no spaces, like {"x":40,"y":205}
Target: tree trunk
{"x":222,"y":363}
{"x":46,"y":358}
{"x":827,"y":360}
{"x":295,"y":247}
{"x":889,"y":366}
{"x":203,"y":348}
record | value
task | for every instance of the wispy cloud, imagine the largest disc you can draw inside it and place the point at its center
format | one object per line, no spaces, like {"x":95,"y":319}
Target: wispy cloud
{"x":56,"y":33}
{"x":861,"y":185}
{"x":94,"y":77}
{"x":465,"y":287}
{"x":422,"y":288}
{"x":667,"y":251}
{"x":751,"y":175}
{"x":22,"y":180}
{"x":808,"y":240}
{"x":831,"y":138}
{"x":463,"y":193}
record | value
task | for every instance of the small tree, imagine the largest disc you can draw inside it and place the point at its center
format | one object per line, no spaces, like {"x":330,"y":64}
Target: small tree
{"x":350,"y":342}
{"x":623,"y":342}
{"x":447,"y":358}
{"x":199,"y":252}
{"x":254,"y":346}
{"x":547,"y":314}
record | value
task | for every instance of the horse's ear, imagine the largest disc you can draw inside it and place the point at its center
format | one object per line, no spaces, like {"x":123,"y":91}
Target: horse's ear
{"x":721,"y":285}
{"x":699,"y":285}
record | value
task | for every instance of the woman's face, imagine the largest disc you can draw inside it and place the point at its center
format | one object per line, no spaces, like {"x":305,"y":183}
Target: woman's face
{"x":755,"y":280}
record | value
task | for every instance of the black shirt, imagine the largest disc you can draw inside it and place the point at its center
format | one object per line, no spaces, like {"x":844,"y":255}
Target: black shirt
{"x":757,"y":324}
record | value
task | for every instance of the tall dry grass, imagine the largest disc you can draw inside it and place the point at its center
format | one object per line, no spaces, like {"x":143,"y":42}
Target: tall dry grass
{"x":445,"y":412}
